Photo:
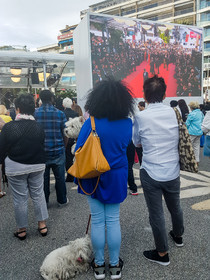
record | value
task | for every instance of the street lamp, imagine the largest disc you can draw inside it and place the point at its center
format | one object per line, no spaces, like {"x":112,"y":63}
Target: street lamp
{"x":15,"y":71}
{"x":15,"y":79}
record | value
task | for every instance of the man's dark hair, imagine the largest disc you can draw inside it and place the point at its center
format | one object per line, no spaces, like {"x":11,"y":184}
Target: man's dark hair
{"x":110,"y":99}
{"x":142,"y":103}
{"x":173,"y":103}
{"x":25,"y":103}
{"x":46,"y":96}
{"x":154,"y":89}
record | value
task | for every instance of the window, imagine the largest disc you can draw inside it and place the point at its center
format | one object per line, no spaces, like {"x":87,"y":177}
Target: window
{"x":207,"y":45}
{"x":204,"y":4}
{"x":206,"y":59}
{"x":150,"y":6}
{"x":205,"y":16}
{"x":207,"y":31}
{"x":184,"y":11}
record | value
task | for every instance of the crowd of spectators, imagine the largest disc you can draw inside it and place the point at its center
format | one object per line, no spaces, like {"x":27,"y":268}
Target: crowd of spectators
{"x":121,"y":60}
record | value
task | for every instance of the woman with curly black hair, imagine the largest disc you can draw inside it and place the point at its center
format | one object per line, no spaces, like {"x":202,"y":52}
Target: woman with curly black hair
{"x":110,"y":103}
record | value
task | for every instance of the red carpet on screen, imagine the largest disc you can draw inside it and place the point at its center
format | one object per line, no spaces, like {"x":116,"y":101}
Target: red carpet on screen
{"x":135,"y":80}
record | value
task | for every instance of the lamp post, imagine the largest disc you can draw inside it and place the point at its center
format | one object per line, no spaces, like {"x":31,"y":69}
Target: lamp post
{"x":44,"y":73}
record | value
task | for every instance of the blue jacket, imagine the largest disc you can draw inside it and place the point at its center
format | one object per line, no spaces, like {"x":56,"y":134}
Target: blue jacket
{"x":194,"y":121}
{"x":115,"y":137}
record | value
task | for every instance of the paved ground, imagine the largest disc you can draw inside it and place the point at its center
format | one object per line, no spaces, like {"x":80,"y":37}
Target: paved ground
{"x":21,"y":260}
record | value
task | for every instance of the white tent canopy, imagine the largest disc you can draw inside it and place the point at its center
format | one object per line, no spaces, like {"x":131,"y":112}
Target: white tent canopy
{"x":19,"y":69}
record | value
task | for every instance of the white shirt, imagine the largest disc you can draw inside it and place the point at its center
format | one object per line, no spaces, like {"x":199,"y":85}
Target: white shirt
{"x":156,"y":129}
{"x":206,"y":123}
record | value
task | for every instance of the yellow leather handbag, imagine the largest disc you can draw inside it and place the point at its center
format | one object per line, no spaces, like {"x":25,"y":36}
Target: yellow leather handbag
{"x":90,"y":161}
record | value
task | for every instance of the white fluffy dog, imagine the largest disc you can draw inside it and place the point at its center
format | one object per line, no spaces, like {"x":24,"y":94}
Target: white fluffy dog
{"x":67,"y":261}
{"x":72,"y":129}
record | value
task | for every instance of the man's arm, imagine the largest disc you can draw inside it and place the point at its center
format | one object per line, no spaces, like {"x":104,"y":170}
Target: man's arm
{"x":66,"y":139}
{"x":136,"y":137}
{"x":3,"y":145}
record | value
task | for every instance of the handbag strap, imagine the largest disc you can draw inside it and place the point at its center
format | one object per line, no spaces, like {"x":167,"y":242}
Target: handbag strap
{"x":88,"y":224}
{"x":93,"y":125}
{"x":94,"y":188}
{"x":178,"y":116}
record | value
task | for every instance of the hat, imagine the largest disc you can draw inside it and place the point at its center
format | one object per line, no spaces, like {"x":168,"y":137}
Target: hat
{"x":67,"y":102}
{"x":194,"y":105}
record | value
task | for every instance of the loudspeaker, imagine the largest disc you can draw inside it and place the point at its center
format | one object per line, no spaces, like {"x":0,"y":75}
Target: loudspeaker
{"x":34,"y":78}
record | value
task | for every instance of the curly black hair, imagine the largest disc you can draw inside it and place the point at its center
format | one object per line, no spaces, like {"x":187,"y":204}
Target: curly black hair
{"x":25,"y":103}
{"x":154,"y":89}
{"x":110,"y":99}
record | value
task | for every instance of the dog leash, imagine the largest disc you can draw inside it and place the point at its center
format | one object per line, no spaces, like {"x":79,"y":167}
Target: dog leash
{"x":88,"y":224}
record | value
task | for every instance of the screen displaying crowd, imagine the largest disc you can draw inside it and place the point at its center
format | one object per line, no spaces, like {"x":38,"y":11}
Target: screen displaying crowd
{"x":133,"y":50}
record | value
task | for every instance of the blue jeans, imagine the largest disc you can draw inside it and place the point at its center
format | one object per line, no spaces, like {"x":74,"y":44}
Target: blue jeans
{"x":153,"y":192}
{"x":58,"y":167}
{"x":105,"y":216}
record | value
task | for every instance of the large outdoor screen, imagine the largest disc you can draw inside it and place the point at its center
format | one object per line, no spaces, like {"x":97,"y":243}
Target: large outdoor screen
{"x":133,"y":50}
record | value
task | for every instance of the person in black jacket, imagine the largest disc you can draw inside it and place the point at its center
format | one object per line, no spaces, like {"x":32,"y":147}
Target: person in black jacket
{"x":67,"y":103}
{"x":22,"y":147}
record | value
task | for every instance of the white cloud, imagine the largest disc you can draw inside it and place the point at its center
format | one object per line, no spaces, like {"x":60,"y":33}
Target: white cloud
{"x":37,"y":23}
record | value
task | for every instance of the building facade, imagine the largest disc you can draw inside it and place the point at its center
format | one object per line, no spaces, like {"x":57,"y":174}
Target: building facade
{"x":166,"y":10}
{"x":203,"y":20}
{"x":190,"y":12}
{"x":53,"y":48}
{"x":65,"y":39}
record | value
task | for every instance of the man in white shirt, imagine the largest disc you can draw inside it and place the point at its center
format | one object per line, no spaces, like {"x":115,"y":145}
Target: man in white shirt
{"x":156,"y":129}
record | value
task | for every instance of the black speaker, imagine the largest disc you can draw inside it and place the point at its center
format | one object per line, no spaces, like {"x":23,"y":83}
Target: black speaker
{"x":34,"y":78}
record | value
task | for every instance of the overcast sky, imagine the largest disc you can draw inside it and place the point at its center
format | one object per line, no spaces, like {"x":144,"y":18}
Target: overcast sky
{"x":37,"y":23}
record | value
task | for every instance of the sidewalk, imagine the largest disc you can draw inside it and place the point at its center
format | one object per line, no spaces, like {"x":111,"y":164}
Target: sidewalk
{"x":21,"y":260}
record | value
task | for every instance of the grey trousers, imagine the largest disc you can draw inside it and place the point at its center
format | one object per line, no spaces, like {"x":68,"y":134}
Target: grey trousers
{"x":153,"y":192}
{"x":22,"y":186}
{"x":196,"y":146}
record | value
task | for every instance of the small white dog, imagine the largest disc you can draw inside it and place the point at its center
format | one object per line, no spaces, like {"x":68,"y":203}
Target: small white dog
{"x":73,"y":127}
{"x":67,"y":261}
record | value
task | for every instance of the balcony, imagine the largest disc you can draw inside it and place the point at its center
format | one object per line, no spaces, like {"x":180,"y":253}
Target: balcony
{"x":206,"y":82}
{"x":203,"y":23}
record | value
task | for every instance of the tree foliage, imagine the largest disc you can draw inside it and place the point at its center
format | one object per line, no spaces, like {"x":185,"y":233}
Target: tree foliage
{"x":164,"y":36}
{"x":66,"y":93}
{"x":184,"y":21}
